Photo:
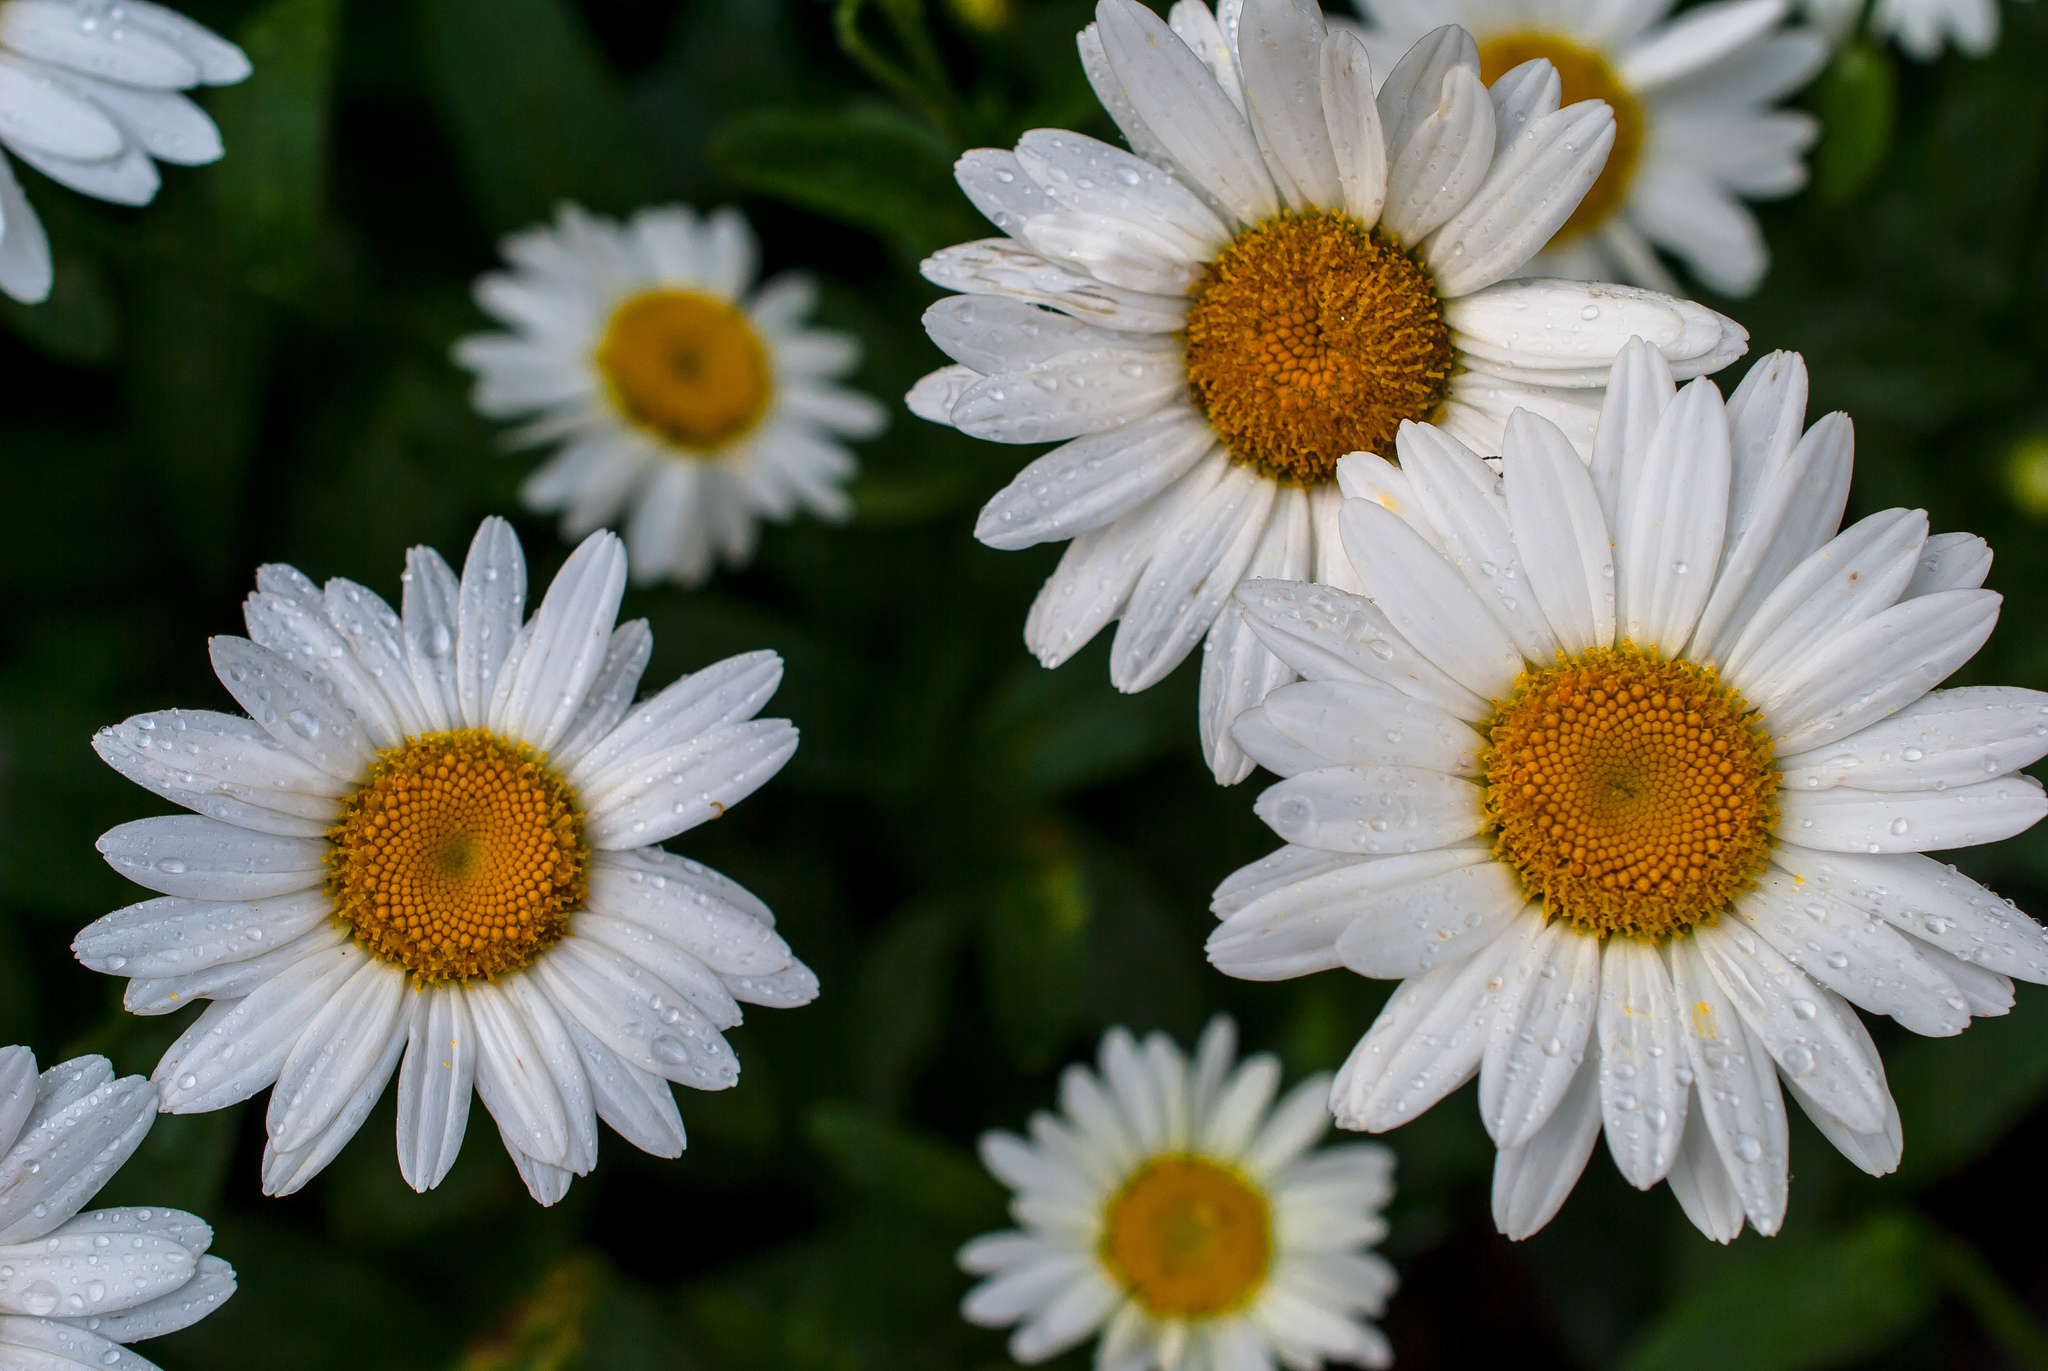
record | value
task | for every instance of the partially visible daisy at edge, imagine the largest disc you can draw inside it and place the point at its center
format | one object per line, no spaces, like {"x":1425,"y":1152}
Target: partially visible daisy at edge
{"x":1696,"y":128}
{"x":1284,"y":269}
{"x":90,"y":96}
{"x":1173,"y":1208}
{"x":673,"y":391}
{"x":1626,"y":773}
{"x":1923,"y":28}
{"x":76,"y":1288}
{"x":433,"y":843}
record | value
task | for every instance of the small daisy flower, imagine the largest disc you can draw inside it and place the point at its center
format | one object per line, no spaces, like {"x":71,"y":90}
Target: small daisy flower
{"x":672,"y":389}
{"x":90,"y":97}
{"x":430,"y":842}
{"x":1696,"y":128}
{"x":1284,"y":269}
{"x":75,"y":1287}
{"x":1626,"y":773}
{"x":1180,"y":1213}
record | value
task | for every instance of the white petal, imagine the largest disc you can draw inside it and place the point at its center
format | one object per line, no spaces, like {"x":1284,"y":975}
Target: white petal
{"x":1560,"y":532}
{"x":1000,"y":266}
{"x":490,"y":605}
{"x":1291,"y":929}
{"x":1946,"y":738}
{"x":512,"y":1077}
{"x":1354,"y":723}
{"x":669,"y":963}
{"x":633,"y":1013}
{"x":1429,"y":1038}
{"x":226,"y":768}
{"x":1443,"y":919}
{"x":1846,"y":820}
{"x":1328,"y":635}
{"x":1643,"y":1098}
{"x":539,"y":693}
{"x":1855,"y":577}
{"x":1373,"y":810}
{"x":1798,"y":1025}
{"x":1090,"y":390}
{"x":1570,"y":332}
{"x":1278,"y":50}
{"x":996,"y":333}
{"x":697,"y":909}
{"x":25,"y":272}
{"x":1092,"y":481}
{"x":717,"y":696}
{"x":1532,"y":1182}
{"x":610,"y":695}
{"x":1673,"y":513}
{"x":1185,"y":109}
{"x":1795,"y":510}
{"x":236,"y":1047}
{"x":434,"y":1086}
{"x":1539,"y":1036}
{"x":208,"y":860}
{"x":688,"y":784}
{"x":1000,"y":188}
{"x":1698,"y":38}
{"x":1427,"y":601}
{"x":212,"y":1282}
{"x":430,"y":618}
{"x":1702,"y":1185}
{"x":41,"y":113}
{"x":1189,"y":579}
{"x":303,"y":714}
{"x":1935,"y":903}
{"x":1099,"y":181}
{"x":1853,"y":953}
{"x":338,"y":1053}
{"x":220,"y":62}
{"x":1537,"y":179}
{"x":1237,"y":669}
{"x":1951,"y":561}
{"x":1639,"y":389}
{"x":1435,"y":165}
{"x":1352,"y":117}
{"x":1857,"y":677}
{"x":1737,"y":1090}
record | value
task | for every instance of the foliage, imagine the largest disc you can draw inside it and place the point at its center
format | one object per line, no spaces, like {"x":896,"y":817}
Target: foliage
{"x":986,"y":862}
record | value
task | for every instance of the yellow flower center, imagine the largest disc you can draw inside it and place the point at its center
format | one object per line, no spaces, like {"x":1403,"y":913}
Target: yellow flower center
{"x":1631,"y":795}
{"x":1312,"y":337}
{"x":685,"y":366}
{"x":1189,"y":1238}
{"x":461,"y":857}
{"x":1585,"y":75}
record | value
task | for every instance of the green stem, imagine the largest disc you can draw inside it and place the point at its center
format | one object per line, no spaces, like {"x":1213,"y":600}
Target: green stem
{"x":2000,"y":1312}
{"x":932,"y":97}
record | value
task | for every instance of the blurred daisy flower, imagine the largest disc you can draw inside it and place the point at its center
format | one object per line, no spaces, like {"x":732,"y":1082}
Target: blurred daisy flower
{"x":1626,"y":773}
{"x":1180,"y":1213}
{"x":672,"y":389}
{"x":1695,"y":128}
{"x":1923,"y":27}
{"x":1287,"y":269}
{"x":89,"y":96}
{"x":75,"y":1287}
{"x":430,"y":841}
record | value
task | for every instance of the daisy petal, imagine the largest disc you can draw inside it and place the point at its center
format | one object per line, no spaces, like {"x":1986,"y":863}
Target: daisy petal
{"x":1094,"y":480}
{"x":490,"y":604}
{"x":1427,"y":601}
{"x":1702,"y":1185}
{"x":1321,"y":716}
{"x":1292,"y":930}
{"x":1188,"y":580}
{"x":1933,"y":902}
{"x":236,"y":1047}
{"x":1436,"y":164}
{"x":1673,"y":513}
{"x":1539,"y":1036}
{"x":1846,"y":820}
{"x":1352,"y":117}
{"x":434,"y":1087}
{"x":1539,"y":175}
{"x":1531,"y":1182}
{"x":1950,"y":561}
{"x":1697,"y":39}
{"x":1946,"y":738}
{"x":1560,"y":532}
{"x":1736,"y":1093}
{"x":1643,"y":1101}
{"x":1278,"y":48}
{"x":1373,"y":810}
{"x":1443,"y":919}
{"x":205,"y":859}
{"x":1328,"y":635}
{"x":1237,"y":669}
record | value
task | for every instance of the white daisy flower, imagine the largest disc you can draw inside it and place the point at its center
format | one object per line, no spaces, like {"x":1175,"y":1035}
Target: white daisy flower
{"x":1179,"y":1211}
{"x":89,"y":96}
{"x":1923,"y":27}
{"x":675,"y":390}
{"x":1696,"y":131}
{"x":1626,"y":773}
{"x":1286,"y":270}
{"x":75,"y":1287}
{"x":431,"y":840}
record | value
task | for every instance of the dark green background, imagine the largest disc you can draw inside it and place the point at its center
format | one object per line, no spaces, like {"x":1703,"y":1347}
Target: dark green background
{"x":986,"y":862}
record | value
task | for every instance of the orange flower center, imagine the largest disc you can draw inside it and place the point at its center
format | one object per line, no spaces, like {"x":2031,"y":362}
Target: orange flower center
{"x":1189,"y":1238}
{"x":686,"y":367}
{"x":461,"y":857}
{"x":1631,"y":795}
{"x":1312,"y":337}
{"x":1584,"y":75}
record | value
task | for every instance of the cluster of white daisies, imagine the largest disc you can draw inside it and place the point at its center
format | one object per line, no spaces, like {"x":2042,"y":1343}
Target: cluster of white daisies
{"x":1595,"y":731}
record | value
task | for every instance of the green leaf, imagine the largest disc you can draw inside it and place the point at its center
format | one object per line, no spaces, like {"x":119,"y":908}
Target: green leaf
{"x":868,"y":166}
{"x":905,"y":994}
{"x":1035,"y":950}
{"x":1958,"y":1096}
{"x":908,"y":1171}
{"x":1801,"y":1305}
{"x":1856,"y":100}
{"x":270,"y":187}
{"x":534,"y":113}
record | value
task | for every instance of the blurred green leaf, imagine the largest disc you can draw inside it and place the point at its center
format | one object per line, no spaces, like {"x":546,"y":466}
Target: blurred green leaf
{"x":910,"y":1172}
{"x":1804,"y":1304}
{"x":1856,"y":99}
{"x":270,"y":186}
{"x":79,"y":322}
{"x":1035,"y":949}
{"x":534,"y":114}
{"x":1957,"y":1096}
{"x":868,"y":166}
{"x":906,"y":999}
